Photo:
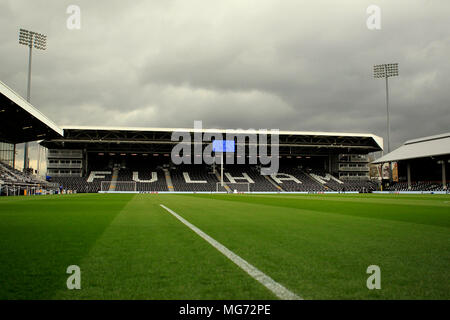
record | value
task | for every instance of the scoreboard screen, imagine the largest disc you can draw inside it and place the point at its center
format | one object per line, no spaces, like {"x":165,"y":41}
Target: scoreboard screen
{"x":223,"y":146}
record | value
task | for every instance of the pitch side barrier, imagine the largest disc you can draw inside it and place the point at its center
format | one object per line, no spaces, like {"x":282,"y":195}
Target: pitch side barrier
{"x":163,"y":192}
{"x":411,"y":192}
{"x":224,"y":192}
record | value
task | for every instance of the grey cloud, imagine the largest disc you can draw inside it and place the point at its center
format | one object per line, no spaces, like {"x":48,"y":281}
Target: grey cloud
{"x":298,"y":65}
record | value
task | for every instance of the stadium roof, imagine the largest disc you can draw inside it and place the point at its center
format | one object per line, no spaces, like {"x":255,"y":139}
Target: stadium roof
{"x":21,"y":122}
{"x":125,"y":139}
{"x":431,"y":146}
{"x":378,"y":139}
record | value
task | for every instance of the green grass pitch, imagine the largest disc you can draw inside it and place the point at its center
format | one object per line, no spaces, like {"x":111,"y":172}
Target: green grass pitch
{"x":317,"y":246}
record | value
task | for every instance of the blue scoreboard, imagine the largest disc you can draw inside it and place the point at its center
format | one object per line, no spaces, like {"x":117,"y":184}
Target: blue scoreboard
{"x":223,"y":146}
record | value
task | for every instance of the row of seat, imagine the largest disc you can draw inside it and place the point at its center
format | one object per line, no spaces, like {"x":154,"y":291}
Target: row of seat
{"x":9,"y":175}
{"x":200,"y":178}
{"x":15,"y":182}
{"x":418,"y":186}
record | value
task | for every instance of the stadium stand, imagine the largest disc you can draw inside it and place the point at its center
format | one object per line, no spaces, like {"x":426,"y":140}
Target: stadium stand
{"x":10,"y":175}
{"x":235,"y":175}
{"x":194,"y":178}
{"x":77,"y":184}
{"x":92,"y":159}
{"x":141,"y":177}
{"x":333,"y":183}
{"x":294,"y":179}
{"x":418,"y":186}
{"x":147,"y":179}
{"x":327,"y":180}
{"x":145,"y":154}
{"x":422,"y":163}
{"x":361,"y":186}
{"x":15,"y":182}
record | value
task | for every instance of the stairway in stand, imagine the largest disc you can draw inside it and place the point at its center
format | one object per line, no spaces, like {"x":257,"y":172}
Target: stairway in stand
{"x":168,"y":179}
{"x":115,"y":176}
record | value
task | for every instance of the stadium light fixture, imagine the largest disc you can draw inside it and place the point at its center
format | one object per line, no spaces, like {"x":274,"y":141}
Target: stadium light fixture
{"x":386,"y":71}
{"x":38,"y":41}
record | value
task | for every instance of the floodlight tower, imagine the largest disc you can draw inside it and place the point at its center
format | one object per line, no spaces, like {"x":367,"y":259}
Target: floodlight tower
{"x":386,"y":71}
{"x":38,"y":41}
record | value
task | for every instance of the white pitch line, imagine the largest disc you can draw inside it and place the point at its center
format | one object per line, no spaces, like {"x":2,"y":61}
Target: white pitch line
{"x":280,"y":291}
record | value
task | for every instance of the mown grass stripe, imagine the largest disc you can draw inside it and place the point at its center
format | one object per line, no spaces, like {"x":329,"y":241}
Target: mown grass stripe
{"x":276,"y":288}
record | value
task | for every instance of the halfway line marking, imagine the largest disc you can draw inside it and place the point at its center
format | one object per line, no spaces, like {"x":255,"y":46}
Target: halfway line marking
{"x":276,"y":288}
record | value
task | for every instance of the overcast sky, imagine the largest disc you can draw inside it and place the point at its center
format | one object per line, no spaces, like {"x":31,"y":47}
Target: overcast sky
{"x":276,"y":64}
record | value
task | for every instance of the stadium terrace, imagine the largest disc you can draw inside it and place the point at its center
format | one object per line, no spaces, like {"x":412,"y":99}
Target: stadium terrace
{"x":115,"y":159}
{"x":111,"y":159}
{"x":91,"y":159}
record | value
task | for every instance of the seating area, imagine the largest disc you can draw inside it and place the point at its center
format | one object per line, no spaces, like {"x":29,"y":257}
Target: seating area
{"x":201,"y":178}
{"x":418,"y":186}
{"x":360,"y":186}
{"x":15,"y":182}
{"x":334,"y":184}
{"x":14,"y":176}
{"x":78,"y":184}
{"x":193,"y":178}
{"x":307,"y":183}
{"x":234,"y":174}
{"x":148,"y":179}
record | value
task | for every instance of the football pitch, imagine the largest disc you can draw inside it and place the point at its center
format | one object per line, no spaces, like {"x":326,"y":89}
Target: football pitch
{"x":316,"y":246}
